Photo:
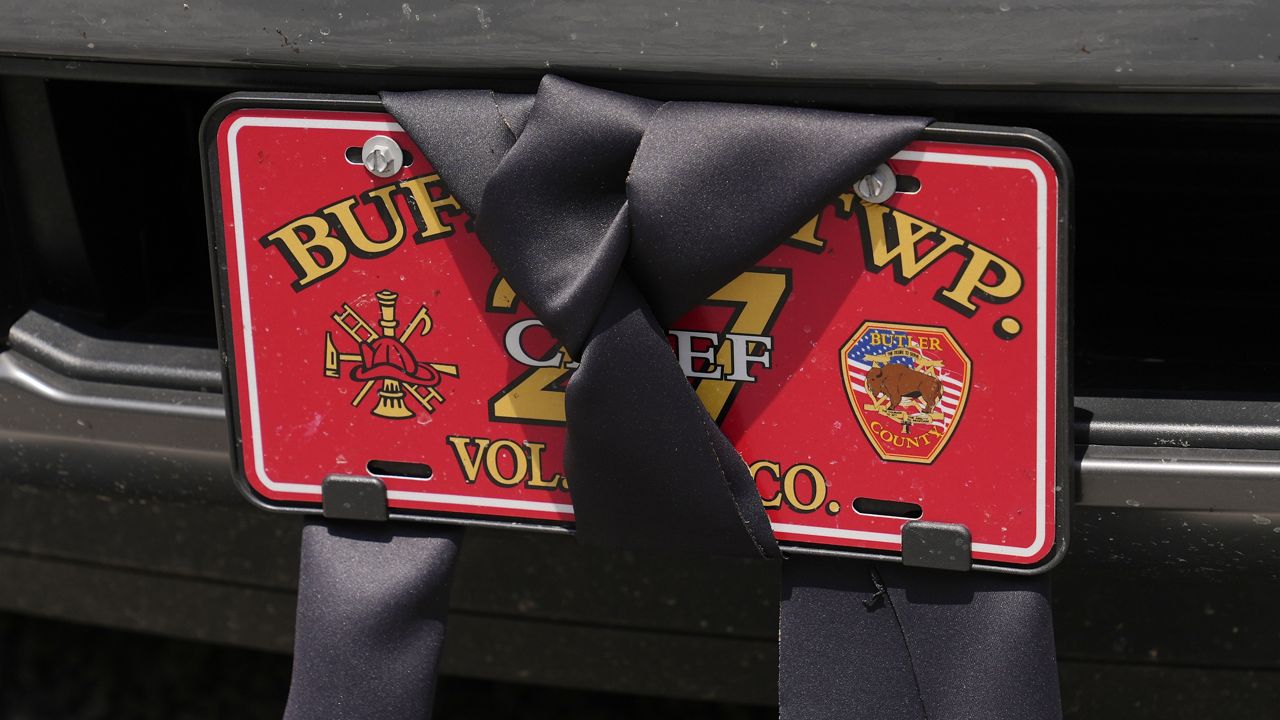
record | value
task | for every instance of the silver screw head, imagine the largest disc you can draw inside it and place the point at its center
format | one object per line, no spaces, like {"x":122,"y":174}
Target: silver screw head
{"x":878,"y":186}
{"x":382,"y":156}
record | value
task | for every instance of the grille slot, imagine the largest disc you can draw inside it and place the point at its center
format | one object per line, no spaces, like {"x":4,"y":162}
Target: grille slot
{"x":1173,"y":273}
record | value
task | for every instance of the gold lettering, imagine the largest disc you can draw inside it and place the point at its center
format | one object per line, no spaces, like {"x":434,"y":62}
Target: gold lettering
{"x":520,"y":462}
{"x":354,"y":233}
{"x":469,"y":463}
{"x":535,"y":468}
{"x":534,"y":396}
{"x":760,"y":293}
{"x":775,"y":470}
{"x":906,"y":260}
{"x":807,"y":236}
{"x":817,"y":482}
{"x":309,"y":249}
{"x":428,"y":208}
{"x":971,"y":282}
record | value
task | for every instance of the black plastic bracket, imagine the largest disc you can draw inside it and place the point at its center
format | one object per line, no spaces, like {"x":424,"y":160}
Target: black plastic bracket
{"x":941,"y":546}
{"x":349,"y":497}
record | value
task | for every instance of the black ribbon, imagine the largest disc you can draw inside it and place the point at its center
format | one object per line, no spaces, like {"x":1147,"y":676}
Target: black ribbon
{"x":372,"y":601}
{"x":611,"y":216}
{"x":880,"y":641}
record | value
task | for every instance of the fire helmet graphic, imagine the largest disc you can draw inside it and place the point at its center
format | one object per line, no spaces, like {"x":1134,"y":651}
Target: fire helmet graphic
{"x":385,"y":360}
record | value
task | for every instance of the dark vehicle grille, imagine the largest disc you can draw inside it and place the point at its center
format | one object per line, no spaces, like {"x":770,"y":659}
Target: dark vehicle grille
{"x":1173,"y":283}
{"x":112,"y":433}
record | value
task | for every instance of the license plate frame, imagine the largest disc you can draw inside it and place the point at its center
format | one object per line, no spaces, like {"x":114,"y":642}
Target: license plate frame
{"x":1051,"y":282}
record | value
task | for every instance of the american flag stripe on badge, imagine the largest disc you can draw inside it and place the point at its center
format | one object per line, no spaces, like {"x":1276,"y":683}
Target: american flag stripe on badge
{"x":858,"y":365}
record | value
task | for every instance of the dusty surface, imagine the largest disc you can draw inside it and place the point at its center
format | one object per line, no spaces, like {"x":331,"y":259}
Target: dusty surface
{"x":58,"y":670}
{"x":53,"y":670}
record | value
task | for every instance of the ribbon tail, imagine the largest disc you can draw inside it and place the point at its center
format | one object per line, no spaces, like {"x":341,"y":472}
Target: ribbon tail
{"x":372,"y":601}
{"x":884,"y":641}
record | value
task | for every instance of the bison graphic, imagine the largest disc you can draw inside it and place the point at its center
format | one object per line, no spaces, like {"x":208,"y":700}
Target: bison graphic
{"x":898,"y":382}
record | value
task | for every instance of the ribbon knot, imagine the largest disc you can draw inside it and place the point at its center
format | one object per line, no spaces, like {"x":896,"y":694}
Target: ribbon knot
{"x":612,"y":216}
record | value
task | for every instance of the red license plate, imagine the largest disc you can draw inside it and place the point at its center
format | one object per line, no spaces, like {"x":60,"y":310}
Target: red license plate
{"x":888,"y":362}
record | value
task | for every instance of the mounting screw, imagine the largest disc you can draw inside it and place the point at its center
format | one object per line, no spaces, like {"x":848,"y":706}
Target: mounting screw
{"x":382,"y":156}
{"x":877,"y":187}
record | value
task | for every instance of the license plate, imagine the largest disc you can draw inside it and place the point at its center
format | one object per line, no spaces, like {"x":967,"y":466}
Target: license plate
{"x":886,"y":363}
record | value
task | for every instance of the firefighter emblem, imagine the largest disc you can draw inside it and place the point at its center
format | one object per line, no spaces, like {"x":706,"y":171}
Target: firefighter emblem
{"x":384,"y":360}
{"x":907,"y":386}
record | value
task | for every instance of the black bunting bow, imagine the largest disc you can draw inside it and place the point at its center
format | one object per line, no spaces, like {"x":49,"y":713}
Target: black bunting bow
{"x":611,"y":216}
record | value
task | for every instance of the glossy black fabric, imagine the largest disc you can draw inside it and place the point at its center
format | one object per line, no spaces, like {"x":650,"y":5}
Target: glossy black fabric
{"x":372,"y":600}
{"x":714,"y":188}
{"x":880,"y":641}
{"x":661,"y":488}
{"x":612,"y":216}
{"x":470,"y":129}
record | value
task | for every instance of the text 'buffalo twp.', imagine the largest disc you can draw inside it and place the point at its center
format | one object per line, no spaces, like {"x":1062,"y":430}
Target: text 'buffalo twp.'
{"x":319,"y":244}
